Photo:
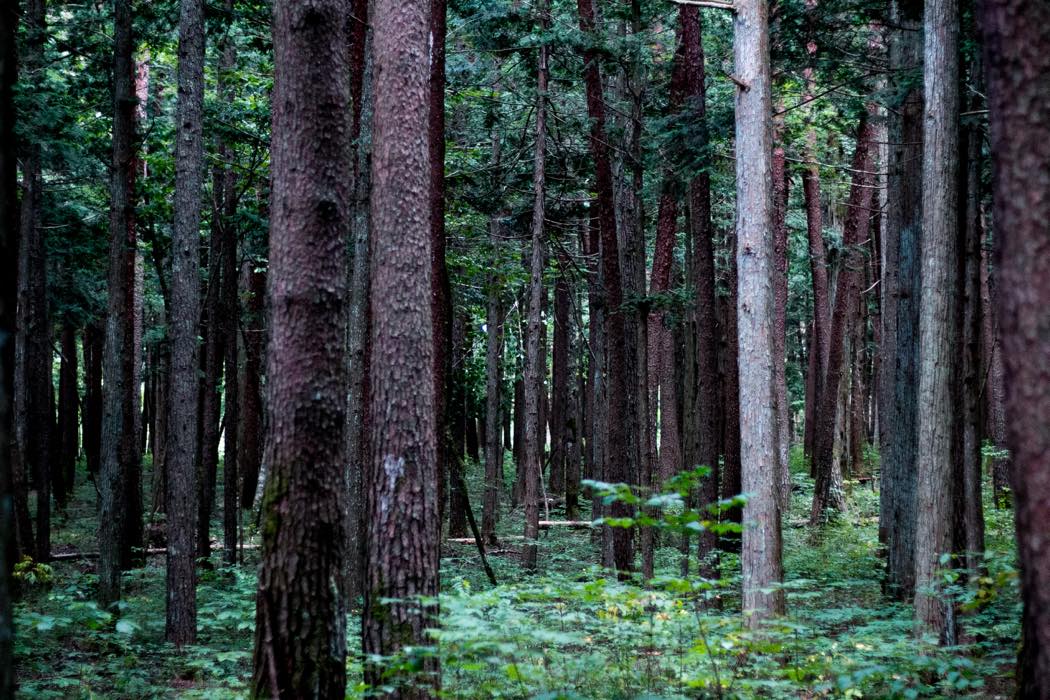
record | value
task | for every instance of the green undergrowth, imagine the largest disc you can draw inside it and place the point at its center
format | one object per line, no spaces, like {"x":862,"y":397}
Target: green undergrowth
{"x":569,"y":630}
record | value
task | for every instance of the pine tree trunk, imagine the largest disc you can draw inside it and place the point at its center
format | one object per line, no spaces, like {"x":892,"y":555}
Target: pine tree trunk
{"x":251,"y":411}
{"x":300,"y":628}
{"x":901,"y":276}
{"x":8,"y":301}
{"x":91,"y":419}
{"x":68,"y":414}
{"x":402,"y":477}
{"x":760,"y":552}
{"x":182,"y":440}
{"x":934,"y":464}
{"x":780,"y":293}
{"x":1017,"y":66}
{"x":560,"y":383}
{"x":534,"y":368}
{"x":493,"y":402}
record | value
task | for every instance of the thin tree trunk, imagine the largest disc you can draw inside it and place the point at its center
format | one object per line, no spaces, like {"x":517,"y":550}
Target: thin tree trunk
{"x":827,"y":492}
{"x":534,"y":370}
{"x":8,"y":302}
{"x":760,"y":553}
{"x":91,"y":418}
{"x":181,"y":442}
{"x":560,"y":378}
{"x":901,"y":276}
{"x":402,"y":477}
{"x":780,"y":293}
{"x":68,"y":413}
{"x":251,"y":411}
{"x":493,"y":350}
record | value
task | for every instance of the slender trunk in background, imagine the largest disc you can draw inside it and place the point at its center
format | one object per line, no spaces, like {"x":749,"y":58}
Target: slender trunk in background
{"x":615,"y":375}
{"x":456,"y":420}
{"x":440,"y":288}
{"x":706,"y":406}
{"x":780,"y":293}
{"x":211,"y":377}
{"x":91,"y":428}
{"x":534,"y":370}
{"x":732,"y":482}
{"x":250,"y":438}
{"x":934,"y":464}
{"x":1017,"y":65}
{"x":68,"y":413}
{"x":117,"y":424}
{"x":185,"y":296}
{"x":8,"y":301}
{"x":760,"y":552}
{"x":828,"y":495}
{"x":901,"y":277}
{"x":560,"y":382}
{"x":970,"y":382}
{"x":226,"y":208}
{"x":597,"y":444}
{"x":402,"y":477}
{"x":359,"y":326}
{"x":995,"y":387}
{"x":35,"y":421}
{"x":300,"y":619}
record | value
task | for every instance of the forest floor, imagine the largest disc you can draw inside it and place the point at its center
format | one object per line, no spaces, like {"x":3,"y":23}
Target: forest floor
{"x":569,"y":631}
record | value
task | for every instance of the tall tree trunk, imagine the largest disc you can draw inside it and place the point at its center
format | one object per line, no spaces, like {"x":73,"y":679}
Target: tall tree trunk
{"x":68,"y":413}
{"x":995,"y":391}
{"x":493,"y":380}
{"x":251,"y":411}
{"x":181,"y":442}
{"x":901,"y":289}
{"x":300,"y":629}
{"x":94,"y":337}
{"x":760,"y":554}
{"x":440,"y":288}
{"x":821,"y":290}
{"x":560,"y":379}
{"x":534,"y":368}
{"x":402,"y":477}
{"x":8,"y":301}
{"x":1017,"y":66}
{"x":456,"y":419}
{"x":615,"y":376}
{"x":827,"y":492}
{"x":940,"y":165}
{"x":226,"y":208}
{"x":780,"y":293}
{"x":33,"y":373}
{"x":118,"y":438}
{"x":362,"y":82}
{"x":210,"y":418}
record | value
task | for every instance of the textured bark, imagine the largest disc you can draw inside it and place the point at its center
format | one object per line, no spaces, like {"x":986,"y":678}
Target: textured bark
{"x":780,"y":293}
{"x":35,"y":421}
{"x":91,"y":427}
{"x":440,"y":289}
{"x":210,"y":381}
{"x":68,"y":414}
{"x":615,"y":375}
{"x":969,"y":382}
{"x":300,"y":627}
{"x":358,"y":329}
{"x":185,"y":297}
{"x":821,"y":288}
{"x":402,"y":478}
{"x":118,"y":438}
{"x":534,"y":367}
{"x":732,"y":482}
{"x":899,"y":347}
{"x":934,"y":464}
{"x":995,"y":389}
{"x":226,"y":207}
{"x":251,"y":411}
{"x":1017,"y":66}
{"x":493,"y":352}
{"x":456,"y":420}
{"x":8,"y":302}
{"x":828,"y":495}
{"x":560,"y":381}
{"x":760,"y":553}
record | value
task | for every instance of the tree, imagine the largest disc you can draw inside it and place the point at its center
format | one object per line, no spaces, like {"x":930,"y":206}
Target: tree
{"x":534,"y":370}
{"x":760,"y":555}
{"x":899,"y":348}
{"x":182,"y":436}
{"x":8,"y":299}
{"x":118,"y":427}
{"x":300,"y":632}
{"x":1017,"y":67}
{"x":401,"y":481}
{"x":934,"y":460}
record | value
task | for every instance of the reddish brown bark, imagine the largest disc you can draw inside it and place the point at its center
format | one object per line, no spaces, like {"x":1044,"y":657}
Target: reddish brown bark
{"x":68,"y":415}
{"x":780,"y":293}
{"x":250,"y":413}
{"x":827,"y":493}
{"x":300,"y":628}
{"x":1017,"y":65}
